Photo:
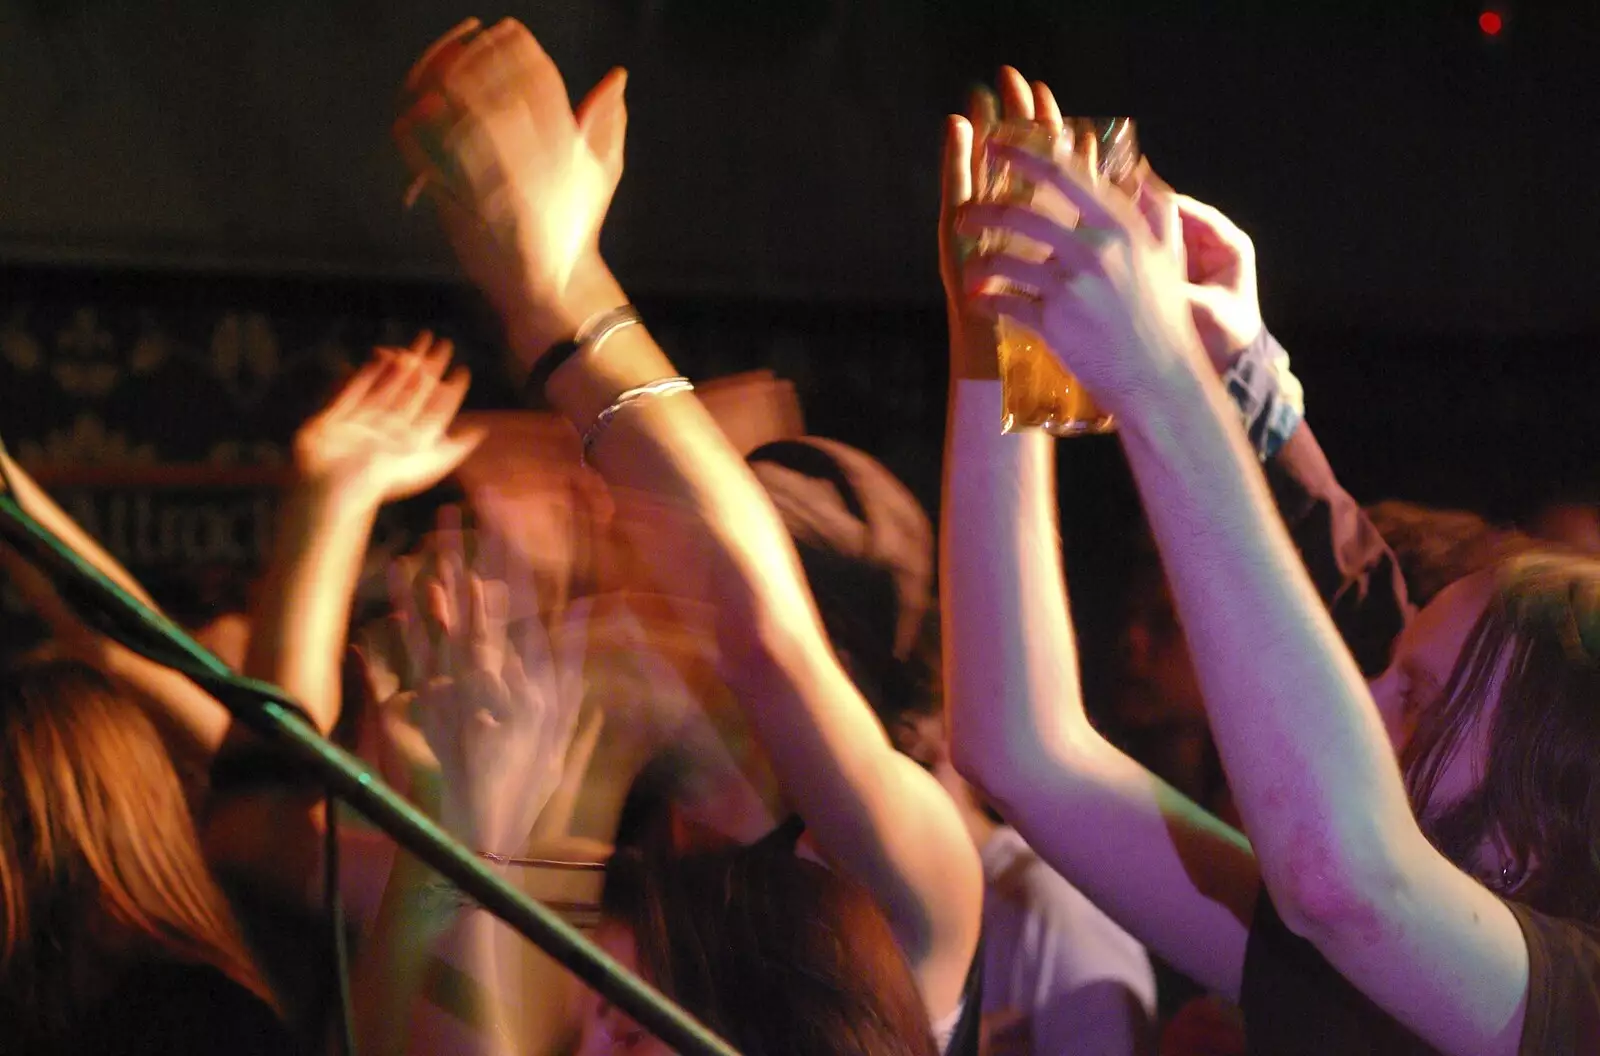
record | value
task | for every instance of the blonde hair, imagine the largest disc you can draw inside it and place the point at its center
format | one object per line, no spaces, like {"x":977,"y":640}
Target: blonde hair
{"x":99,"y":860}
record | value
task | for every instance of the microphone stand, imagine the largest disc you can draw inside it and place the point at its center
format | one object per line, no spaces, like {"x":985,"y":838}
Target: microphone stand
{"x":270,"y":714}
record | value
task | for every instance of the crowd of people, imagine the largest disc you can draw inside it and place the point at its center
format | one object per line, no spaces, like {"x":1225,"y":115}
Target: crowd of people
{"x":1344,"y":798}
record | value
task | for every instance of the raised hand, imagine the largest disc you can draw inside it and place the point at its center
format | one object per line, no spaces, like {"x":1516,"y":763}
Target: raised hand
{"x":386,"y":434}
{"x":1111,"y":300}
{"x":972,"y":333}
{"x":1222,"y":279}
{"x":521,"y":181}
{"x":498,"y":714}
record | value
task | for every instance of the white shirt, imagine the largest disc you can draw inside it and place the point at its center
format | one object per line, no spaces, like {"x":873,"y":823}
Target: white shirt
{"x":1086,"y":985}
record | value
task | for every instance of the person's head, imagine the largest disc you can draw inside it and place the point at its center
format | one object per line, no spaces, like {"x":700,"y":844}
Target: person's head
{"x":1494,"y":703}
{"x":776,"y":953}
{"x":1158,"y":685}
{"x":866,"y":546}
{"x":1436,"y":547}
{"x":99,"y":863}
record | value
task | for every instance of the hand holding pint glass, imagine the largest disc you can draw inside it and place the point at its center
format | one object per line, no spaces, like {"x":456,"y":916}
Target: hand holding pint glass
{"x":1037,"y":392}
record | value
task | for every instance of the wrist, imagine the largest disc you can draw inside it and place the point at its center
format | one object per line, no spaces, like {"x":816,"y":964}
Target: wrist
{"x":334,"y":498}
{"x":974,"y":350}
{"x":1185,"y":398}
{"x":543,"y":322}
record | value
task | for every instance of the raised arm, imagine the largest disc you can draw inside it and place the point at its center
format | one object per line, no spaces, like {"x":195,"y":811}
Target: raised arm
{"x":383,"y":437}
{"x":533,"y":249}
{"x":1176,"y":878}
{"x":1311,"y":769}
{"x":1352,"y":568}
{"x":498,"y":713}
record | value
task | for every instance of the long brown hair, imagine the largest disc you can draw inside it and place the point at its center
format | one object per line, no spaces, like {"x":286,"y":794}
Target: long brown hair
{"x":100,"y":867}
{"x":776,"y":953}
{"x":1540,"y":794}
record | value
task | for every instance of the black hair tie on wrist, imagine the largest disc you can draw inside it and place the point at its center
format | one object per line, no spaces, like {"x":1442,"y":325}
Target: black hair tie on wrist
{"x":589,"y":336}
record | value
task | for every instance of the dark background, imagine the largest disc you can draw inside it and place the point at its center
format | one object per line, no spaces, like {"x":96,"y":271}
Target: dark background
{"x":1420,"y":195}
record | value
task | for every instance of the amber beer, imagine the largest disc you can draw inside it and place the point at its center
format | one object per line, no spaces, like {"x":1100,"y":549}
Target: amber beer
{"x":1036,"y":391}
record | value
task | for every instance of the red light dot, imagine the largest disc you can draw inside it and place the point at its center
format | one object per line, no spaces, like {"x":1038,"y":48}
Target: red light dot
{"x":1491,"y":23}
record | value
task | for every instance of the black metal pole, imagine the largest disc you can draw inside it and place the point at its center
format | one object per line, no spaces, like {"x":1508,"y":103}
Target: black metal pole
{"x":272,"y":715}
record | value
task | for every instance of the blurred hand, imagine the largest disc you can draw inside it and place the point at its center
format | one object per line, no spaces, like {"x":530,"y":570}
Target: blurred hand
{"x":1111,"y":300}
{"x":498,"y":715}
{"x":385,"y":435}
{"x":521,"y":181}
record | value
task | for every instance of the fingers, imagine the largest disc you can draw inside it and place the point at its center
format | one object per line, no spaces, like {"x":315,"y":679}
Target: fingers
{"x":435,"y":407}
{"x":1208,"y":217}
{"x":1076,"y":186}
{"x":982,"y":117}
{"x":1069,"y":247}
{"x":1160,"y":212}
{"x":1086,"y":146}
{"x":1045,"y":109}
{"x":508,"y":63}
{"x":441,"y":54}
{"x":417,"y":404}
{"x":399,"y":377}
{"x":1002,"y":272}
{"x":1218,"y":251}
{"x":1016,"y":95}
{"x":485,"y":637}
{"x":356,"y":387}
{"x":1023,"y":310}
{"x":603,"y":119}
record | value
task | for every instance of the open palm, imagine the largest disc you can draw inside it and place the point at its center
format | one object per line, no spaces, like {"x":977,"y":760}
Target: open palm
{"x":387,"y":432}
{"x":521,"y":180}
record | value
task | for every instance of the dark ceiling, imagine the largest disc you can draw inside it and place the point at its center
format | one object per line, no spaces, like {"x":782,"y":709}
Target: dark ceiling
{"x":1398,"y":170}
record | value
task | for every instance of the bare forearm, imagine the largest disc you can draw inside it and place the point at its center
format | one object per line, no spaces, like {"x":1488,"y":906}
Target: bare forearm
{"x":1180,"y":881}
{"x":301,"y":614}
{"x":427,"y":979}
{"x":1011,"y":663}
{"x":1303,"y":746}
{"x":897,"y":832}
{"x":33,"y":499}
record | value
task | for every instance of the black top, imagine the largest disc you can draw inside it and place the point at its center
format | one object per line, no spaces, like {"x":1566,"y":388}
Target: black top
{"x":1295,"y":1002}
{"x":171,"y":1009}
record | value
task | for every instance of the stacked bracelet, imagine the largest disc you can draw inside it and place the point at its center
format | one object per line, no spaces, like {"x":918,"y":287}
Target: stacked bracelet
{"x":589,"y":337}
{"x":543,"y":863}
{"x":661,"y":387}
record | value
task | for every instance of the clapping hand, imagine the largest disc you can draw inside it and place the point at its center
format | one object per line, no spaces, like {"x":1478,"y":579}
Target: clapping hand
{"x":522,"y":182}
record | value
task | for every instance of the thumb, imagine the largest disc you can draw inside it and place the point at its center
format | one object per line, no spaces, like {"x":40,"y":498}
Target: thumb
{"x":603,"y":119}
{"x":1160,"y":212}
{"x":955,"y":189}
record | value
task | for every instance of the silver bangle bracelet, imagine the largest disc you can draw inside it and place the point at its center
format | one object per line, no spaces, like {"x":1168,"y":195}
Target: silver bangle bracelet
{"x":660,"y":387}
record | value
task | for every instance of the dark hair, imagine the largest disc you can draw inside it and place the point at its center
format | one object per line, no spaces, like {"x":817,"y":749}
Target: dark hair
{"x":100,"y":867}
{"x":866,"y":547}
{"x":1540,"y":794}
{"x":779,"y":955}
{"x":1436,"y":547}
